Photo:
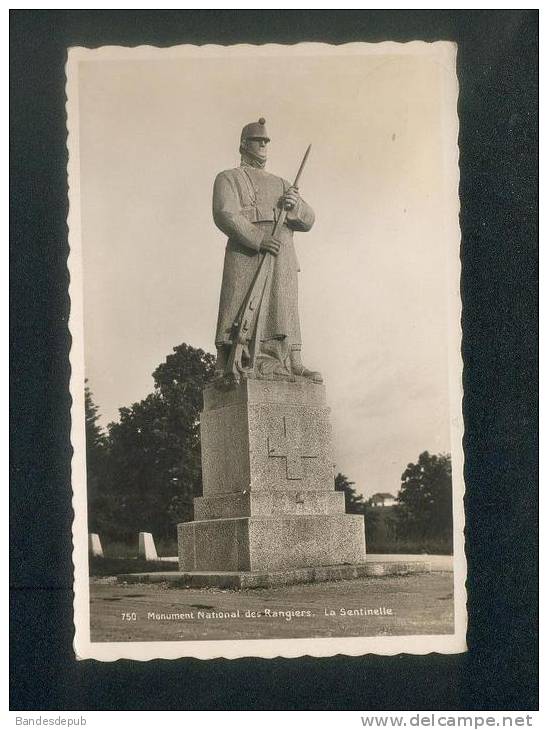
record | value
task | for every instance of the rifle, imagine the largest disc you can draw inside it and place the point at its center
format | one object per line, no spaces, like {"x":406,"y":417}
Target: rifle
{"x":247,"y":318}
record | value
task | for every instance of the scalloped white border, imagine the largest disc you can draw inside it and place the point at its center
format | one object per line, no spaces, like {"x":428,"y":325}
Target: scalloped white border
{"x":442,"y":52}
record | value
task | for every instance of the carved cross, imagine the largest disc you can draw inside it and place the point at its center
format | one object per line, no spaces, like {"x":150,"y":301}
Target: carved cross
{"x":290,"y":447}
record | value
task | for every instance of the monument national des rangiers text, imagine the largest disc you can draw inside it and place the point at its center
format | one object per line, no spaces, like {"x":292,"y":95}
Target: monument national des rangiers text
{"x":268,"y":501}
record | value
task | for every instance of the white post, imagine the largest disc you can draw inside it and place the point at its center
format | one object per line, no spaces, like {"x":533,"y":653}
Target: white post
{"x":147,"y":548}
{"x":94,"y":545}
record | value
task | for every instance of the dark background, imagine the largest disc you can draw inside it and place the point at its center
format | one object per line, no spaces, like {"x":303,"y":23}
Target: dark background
{"x":497,"y":68}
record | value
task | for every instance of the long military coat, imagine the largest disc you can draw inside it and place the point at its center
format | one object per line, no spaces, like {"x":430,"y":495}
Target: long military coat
{"x":245,"y":200}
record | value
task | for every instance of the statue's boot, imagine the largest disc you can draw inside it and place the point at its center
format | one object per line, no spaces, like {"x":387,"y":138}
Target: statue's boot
{"x":221,"y":362}
{"x":297,"y":368}
{"x":272,"y":359}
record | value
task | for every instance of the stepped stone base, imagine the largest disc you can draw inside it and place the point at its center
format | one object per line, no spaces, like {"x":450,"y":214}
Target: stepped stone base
{"x":260,"y":579}
{"x":269,"y":502}
{"x":271,"y":543}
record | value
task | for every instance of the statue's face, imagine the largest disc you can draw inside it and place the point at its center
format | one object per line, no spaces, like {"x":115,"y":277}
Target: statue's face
{"x":257,"y":145}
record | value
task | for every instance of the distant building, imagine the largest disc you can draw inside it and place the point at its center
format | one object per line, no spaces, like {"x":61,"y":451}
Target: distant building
{"x":382,"y":499}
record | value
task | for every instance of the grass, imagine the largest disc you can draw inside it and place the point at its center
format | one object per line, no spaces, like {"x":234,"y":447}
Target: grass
{"x":165,"y":547}
{"x":122,"y":556}
{"x":100,"y":567}
{"x":410,"y":547}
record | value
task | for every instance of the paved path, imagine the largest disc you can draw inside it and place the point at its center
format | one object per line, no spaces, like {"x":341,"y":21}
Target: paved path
{"x":395,"y":605}
{"x":437,"y":562}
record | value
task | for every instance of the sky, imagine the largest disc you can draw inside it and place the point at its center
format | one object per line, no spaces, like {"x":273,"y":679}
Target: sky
{"x":378,"y":272}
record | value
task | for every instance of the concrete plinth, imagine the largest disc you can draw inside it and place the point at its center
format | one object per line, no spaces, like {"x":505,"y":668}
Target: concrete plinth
{"x":264,"y":435}
{"x":147,"y":548}
{"x":268,"y":500}
{"x":95,"y":548}
{"x":271,"y":543}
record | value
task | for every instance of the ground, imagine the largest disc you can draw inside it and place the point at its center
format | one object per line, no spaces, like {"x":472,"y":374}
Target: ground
{"x":405,"y":605}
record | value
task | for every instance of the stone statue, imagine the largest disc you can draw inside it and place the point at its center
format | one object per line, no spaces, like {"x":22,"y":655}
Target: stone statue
{"x":269,"y":502}
{"x":260,"y":268}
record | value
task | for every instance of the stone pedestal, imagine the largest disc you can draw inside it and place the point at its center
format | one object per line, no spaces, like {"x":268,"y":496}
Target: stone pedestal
{"x":268,"y":499}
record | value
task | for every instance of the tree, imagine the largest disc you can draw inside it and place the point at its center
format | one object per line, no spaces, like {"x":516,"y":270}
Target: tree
{"x":355,"y":505}
{"x":425,"y":497}
{"x":353,"y":502}
{"x":96,"y":462}
{"x":95,"y":436}
{"x":154,"y":458}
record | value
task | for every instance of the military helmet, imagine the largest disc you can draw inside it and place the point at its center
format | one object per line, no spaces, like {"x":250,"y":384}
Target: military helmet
{"x":255,"y":129}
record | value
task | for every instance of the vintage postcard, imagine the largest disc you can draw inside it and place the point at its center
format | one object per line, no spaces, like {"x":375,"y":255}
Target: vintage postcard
{"x":266,"y":369}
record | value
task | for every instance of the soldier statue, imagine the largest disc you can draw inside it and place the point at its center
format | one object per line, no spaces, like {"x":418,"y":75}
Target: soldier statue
{"x":248,"y":201}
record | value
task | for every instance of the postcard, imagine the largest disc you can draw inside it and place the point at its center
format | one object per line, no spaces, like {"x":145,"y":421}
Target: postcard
{"x":266,"y":368}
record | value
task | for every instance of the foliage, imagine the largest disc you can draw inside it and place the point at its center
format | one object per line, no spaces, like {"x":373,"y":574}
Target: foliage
{"x":154,"y":466}
{"x":95,"y":436}
{"x":353,"y":502}
{"x":422,"y":520}
{"x":354,"y":505}
{"x":381,"y":529}
{"x":96,"y":462}
{"x":425,"y":498}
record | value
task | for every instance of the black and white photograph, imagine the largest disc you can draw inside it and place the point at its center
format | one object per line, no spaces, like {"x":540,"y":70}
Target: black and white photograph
{"x":266,"y":368}
{"x":274,"y":366}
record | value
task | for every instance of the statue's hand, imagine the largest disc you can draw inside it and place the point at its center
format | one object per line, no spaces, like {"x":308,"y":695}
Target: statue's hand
{"x":291,"y":198}
{"x":271,"y":245}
